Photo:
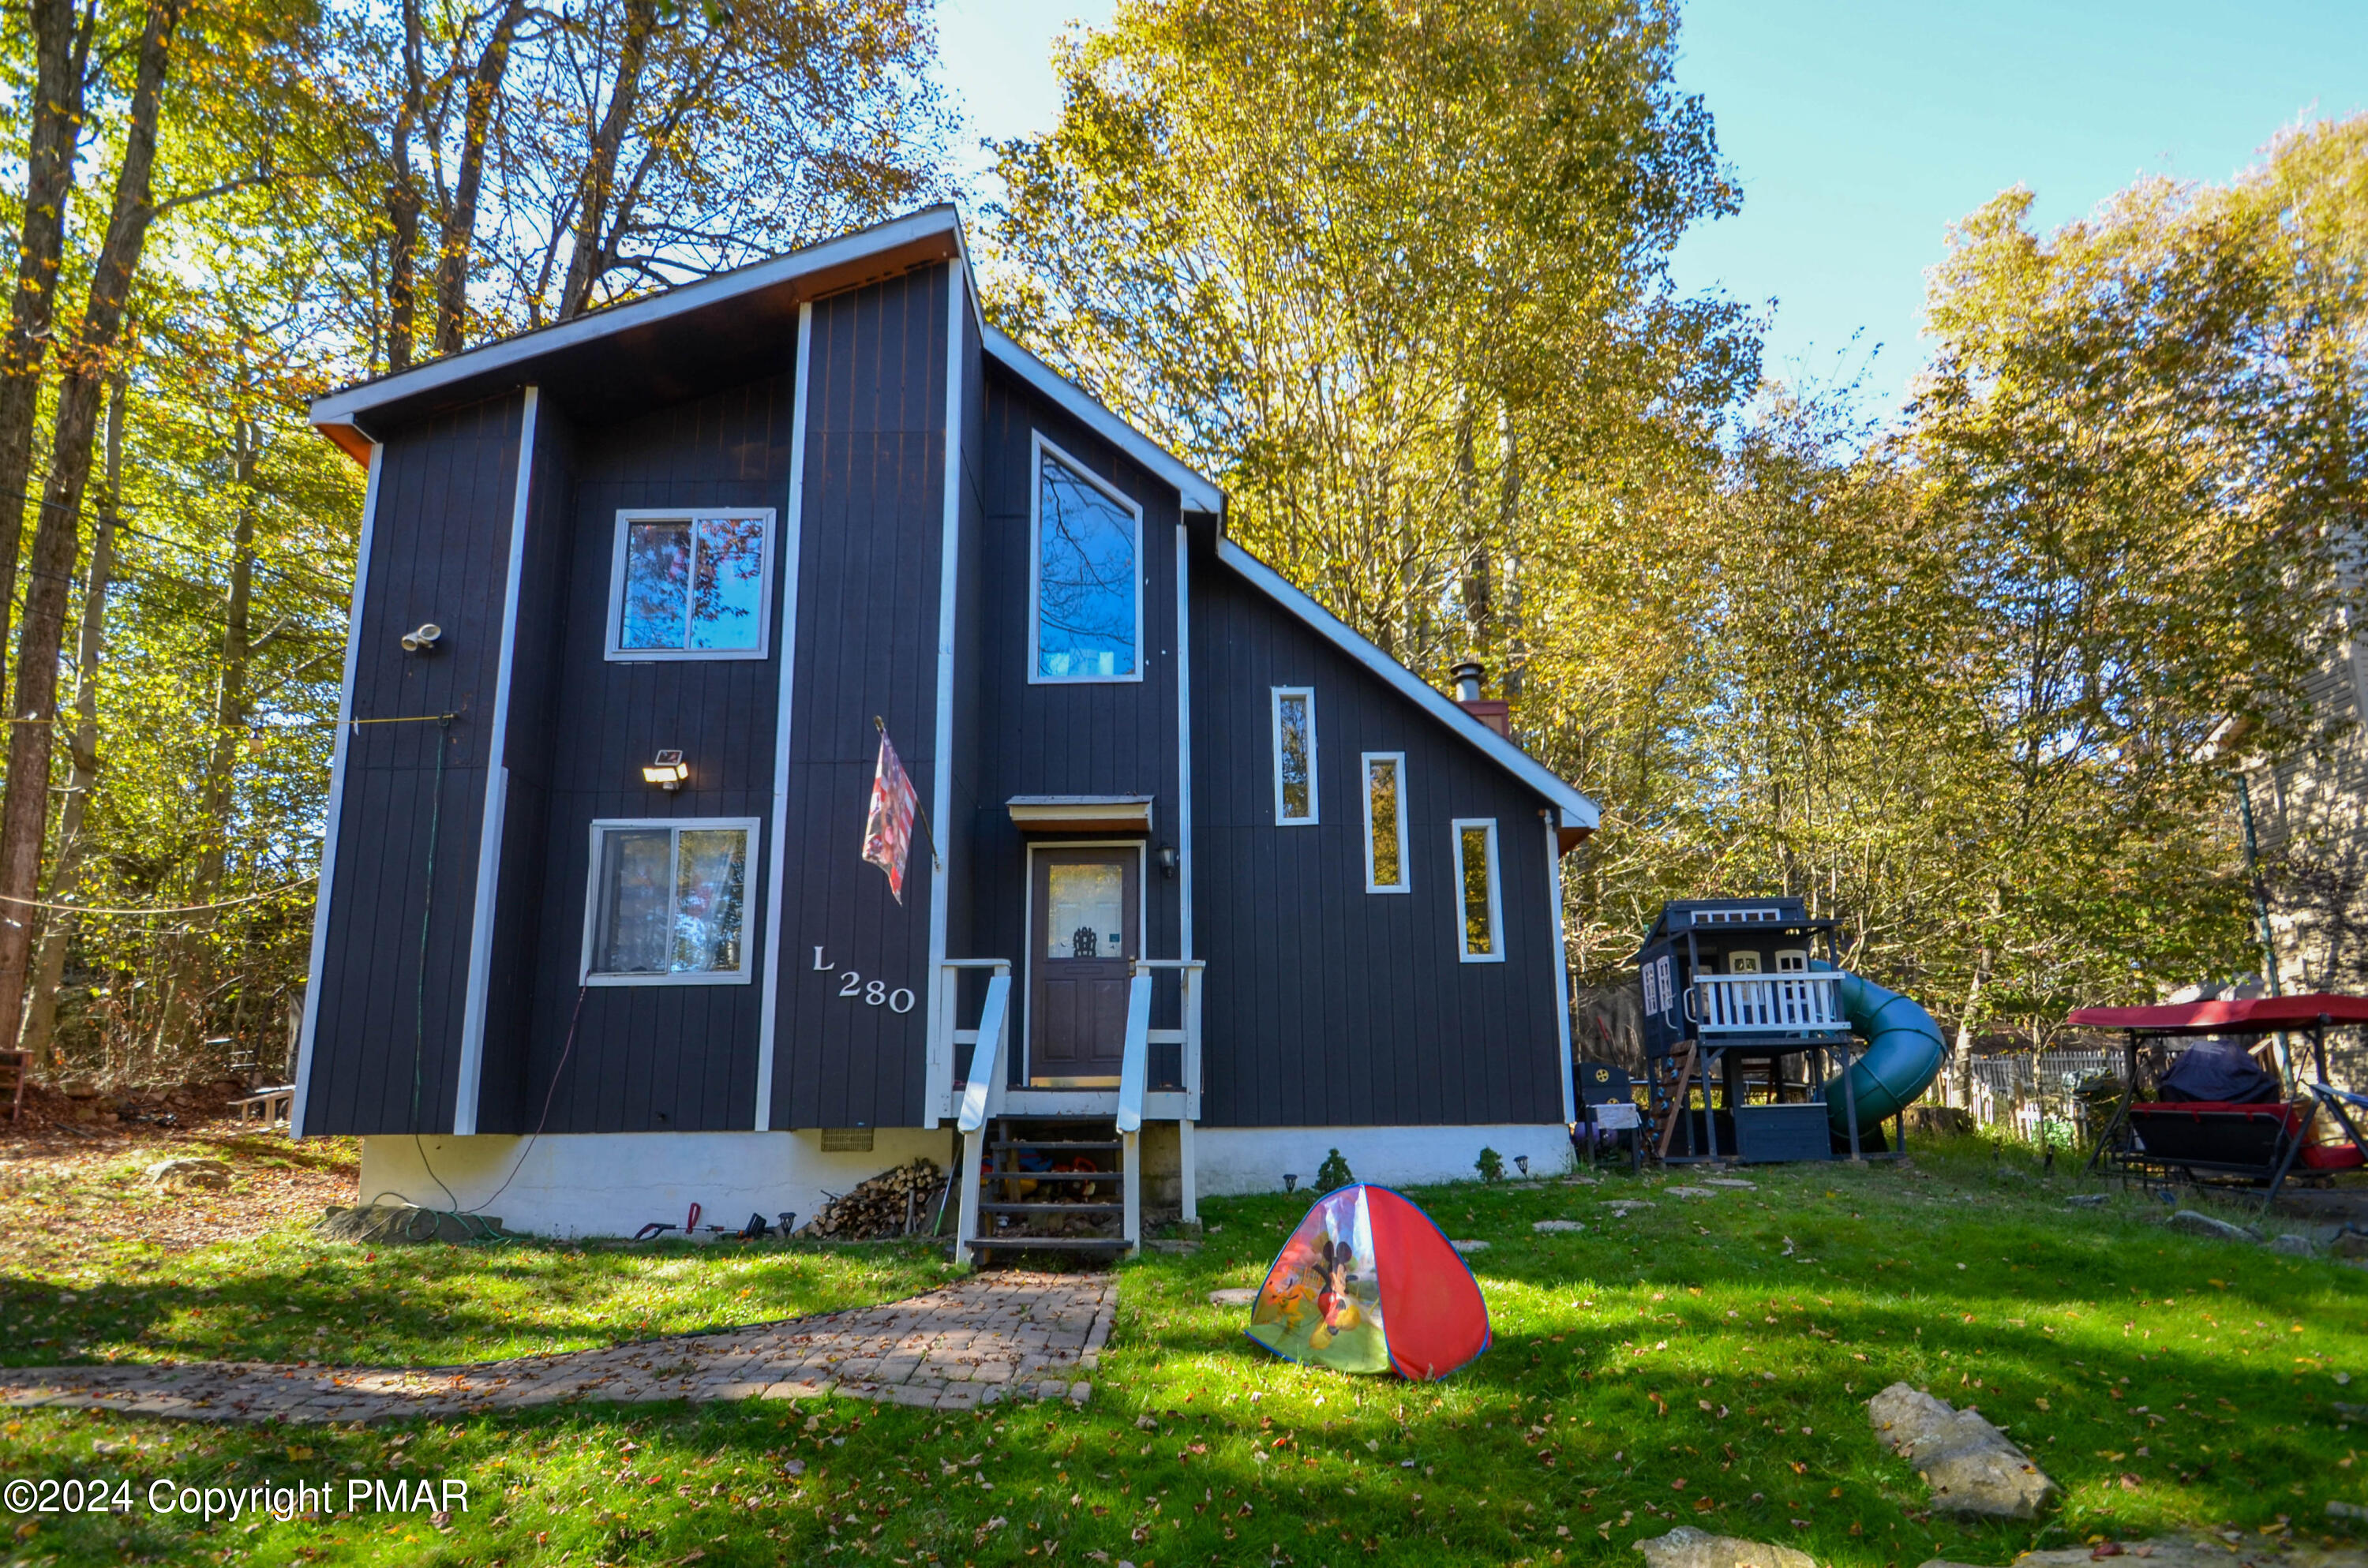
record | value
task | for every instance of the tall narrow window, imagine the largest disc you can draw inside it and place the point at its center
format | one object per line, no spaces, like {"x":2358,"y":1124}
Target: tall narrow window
{"x":1295,"y":755}
{"x":1385,"y":853}
{"x":1482,"y":931}
{"x":667,"y":903}
{"x":1085,"y":600}
{"x":692,"y":584}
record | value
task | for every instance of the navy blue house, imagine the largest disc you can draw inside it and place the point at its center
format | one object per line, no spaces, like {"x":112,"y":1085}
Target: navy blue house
{"x":1203,"y":884}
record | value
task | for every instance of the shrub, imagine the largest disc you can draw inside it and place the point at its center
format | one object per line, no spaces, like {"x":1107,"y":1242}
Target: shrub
{"x":1490,"y":1164}
{"x":1334,"y":1174}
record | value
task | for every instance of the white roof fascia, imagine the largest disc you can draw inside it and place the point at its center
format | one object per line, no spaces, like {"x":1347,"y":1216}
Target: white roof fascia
{"x":1198,"y":493}
{"x":339,"y":408}
{"x":1577,"y":810}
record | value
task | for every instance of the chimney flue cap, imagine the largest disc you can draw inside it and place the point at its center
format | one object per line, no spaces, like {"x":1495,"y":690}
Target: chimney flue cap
{"x":1468,"y":672}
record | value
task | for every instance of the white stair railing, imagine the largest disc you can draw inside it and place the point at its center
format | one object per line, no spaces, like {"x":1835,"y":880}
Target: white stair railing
{"x":982,"y":1098}
{"x":1133,"y":1076}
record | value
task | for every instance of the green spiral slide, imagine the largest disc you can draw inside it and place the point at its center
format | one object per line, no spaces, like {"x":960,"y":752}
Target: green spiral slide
{"x":1904,"y":1052}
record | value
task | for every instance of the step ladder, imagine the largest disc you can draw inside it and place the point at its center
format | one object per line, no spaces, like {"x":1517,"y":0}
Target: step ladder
{"x":1050,"y":1185}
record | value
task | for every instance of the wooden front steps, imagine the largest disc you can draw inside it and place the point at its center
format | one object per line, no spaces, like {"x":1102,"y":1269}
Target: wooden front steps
{"x":1020,"y":1209}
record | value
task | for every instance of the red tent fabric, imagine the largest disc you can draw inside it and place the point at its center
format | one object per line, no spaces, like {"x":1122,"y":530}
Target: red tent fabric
{"x":1368,"y":1283}
{"x":2255,"y":1015}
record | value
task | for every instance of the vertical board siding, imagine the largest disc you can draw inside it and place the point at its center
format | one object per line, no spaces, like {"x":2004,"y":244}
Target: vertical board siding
{"x":1326,"y":1004}
{"x":386,"y":1057}
{"x":873,"y":545}
{"x":1083,"y":738}
{"x":650,"y":1058}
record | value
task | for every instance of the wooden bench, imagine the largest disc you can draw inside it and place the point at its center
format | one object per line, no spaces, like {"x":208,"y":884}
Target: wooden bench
{"x":274,"y":1103}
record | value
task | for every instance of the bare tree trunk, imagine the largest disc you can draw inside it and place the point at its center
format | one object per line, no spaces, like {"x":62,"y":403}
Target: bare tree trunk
{"x":1969,"y":1024}
{"x":61,"y":55}
{"x":589,"y":256}
{"x":459,"y":229}
{"x":401,"y":199}
{"x":23,"y":818}
{"x":1508,"y":517}
{"x":1477,"y":611}
{"x":65,"y":876}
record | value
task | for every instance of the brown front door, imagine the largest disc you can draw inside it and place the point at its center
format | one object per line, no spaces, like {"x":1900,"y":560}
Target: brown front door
{"x":1087,"y":931}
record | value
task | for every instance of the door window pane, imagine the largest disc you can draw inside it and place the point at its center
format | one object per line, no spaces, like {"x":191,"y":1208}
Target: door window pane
{"x":1475,"y":854}
{"x":1294,"y":755}
{"x":1384,"y":824}
{"x":1086,"y":912}
{"x":693,"y":584}
{"x":669,"y":900}
{"x":1086,"y":580}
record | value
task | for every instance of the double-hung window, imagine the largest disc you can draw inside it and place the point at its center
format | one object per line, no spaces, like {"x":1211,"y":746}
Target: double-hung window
{"x":1295,"y":755}
{"x":668,"y":901}
{"x":1481,"y":928}
{"x":1084,"y":595}
{"x":691,"y":582}
{"x":1385,"y":833}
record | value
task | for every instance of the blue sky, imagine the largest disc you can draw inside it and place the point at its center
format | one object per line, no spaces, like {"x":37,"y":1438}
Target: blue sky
{"x":1860,"y":130}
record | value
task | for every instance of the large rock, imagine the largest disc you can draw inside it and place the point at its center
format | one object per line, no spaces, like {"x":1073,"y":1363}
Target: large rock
{"x":211,"y":1175}
{"x":1686,"y":1547}
{"x":2197,"y":1224}
{"x":1968,"y":1464}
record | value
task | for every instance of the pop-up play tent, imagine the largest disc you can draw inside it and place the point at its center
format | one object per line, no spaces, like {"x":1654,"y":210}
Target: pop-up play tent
{"x":1367,"y":1283}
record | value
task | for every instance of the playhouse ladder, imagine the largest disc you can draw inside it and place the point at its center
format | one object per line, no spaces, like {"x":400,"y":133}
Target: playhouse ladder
{"x":1087,"y":1208}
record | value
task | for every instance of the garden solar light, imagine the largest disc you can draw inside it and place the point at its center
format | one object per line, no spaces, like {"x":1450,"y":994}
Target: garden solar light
{"x":1290,"y":1181}
{"x":667,"y":772}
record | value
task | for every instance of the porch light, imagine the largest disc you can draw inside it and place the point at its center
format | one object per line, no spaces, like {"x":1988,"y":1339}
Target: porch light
{"x":1166,"y":858}
{"x":667,"y":772}
{"x":1522,"y":1161}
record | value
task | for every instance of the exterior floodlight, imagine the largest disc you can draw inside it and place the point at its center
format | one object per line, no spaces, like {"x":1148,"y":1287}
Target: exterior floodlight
{"x":667,"y":772}
{"x":423,"y":640}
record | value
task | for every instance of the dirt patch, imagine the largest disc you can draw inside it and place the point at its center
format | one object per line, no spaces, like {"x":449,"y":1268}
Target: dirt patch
{"x":73,"y":1188}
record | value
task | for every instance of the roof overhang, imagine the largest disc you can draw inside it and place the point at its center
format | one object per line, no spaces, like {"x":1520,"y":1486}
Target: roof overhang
{"x":1080,"y":813}
{"x":676,"y":343}
{"x":1199,"y":494}
{"x":1578,"y":816}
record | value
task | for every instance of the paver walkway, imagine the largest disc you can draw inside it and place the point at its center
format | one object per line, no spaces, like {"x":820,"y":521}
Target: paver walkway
{"x":992,"y":1336}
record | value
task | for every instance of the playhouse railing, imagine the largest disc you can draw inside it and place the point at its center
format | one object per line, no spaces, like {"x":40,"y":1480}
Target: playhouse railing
{"x":1759,"y":1004}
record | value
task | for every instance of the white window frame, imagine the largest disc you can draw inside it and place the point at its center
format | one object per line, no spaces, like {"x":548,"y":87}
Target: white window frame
{"x":753,"y":826}
{"x":612,"y":638}
{"x":1365,"y":781}
{"x":1800,"y":953}
{"x":1039,"y":450}
{"x":1496,"y":892}
{"x":1274,"y":703}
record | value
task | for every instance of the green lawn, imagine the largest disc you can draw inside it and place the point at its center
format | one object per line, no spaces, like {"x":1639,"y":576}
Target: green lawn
{"x":1676,"y":1366}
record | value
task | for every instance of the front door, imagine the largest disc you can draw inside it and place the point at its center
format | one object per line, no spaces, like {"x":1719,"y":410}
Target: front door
{"x":1085,"y":906}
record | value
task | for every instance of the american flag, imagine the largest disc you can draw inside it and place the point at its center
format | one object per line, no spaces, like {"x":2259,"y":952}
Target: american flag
{"x":888,"y":829}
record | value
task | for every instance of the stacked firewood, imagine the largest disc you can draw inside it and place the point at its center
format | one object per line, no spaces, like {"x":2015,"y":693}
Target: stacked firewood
{"x":897,"y":1202}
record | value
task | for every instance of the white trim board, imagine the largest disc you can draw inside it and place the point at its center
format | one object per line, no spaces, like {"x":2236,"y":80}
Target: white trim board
{"x":324,"y":889}
{"x":777,"y":869}
{"x":938,"y":1029}
{"x":467,"y":1087}
{"x":1184,"y":739}
{"x":342,"y":408}
{"x":1577,"y":810}
{"x":1562,"y":967}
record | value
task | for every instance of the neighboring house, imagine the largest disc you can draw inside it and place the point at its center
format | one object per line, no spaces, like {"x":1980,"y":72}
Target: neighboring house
{"x":1239,"y":887}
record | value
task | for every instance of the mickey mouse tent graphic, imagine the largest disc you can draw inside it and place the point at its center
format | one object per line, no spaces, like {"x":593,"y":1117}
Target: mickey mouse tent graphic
{"x":1367,"y":1283}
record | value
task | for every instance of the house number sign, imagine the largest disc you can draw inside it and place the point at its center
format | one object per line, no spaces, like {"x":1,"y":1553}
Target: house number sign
{"x":873,"y":992}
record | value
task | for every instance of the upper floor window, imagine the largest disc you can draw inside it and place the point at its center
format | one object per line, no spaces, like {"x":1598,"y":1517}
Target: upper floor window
{"x":690,"y":583}
{"x":668,"y":901}
{"x":1086,"y":599}
{"x":1483,"y":928}
{"x":1295,"y":755}
{"x":1386,"y":850}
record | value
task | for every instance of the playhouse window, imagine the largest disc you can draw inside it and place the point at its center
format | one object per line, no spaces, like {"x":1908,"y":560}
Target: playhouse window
{"x":1386,"y":855}
{"x":1087,"y":606}
{"x":1483,"y":927}
{"x":667,"y":903}
{"x":1294,"y":755}
{"x":692,"y":584}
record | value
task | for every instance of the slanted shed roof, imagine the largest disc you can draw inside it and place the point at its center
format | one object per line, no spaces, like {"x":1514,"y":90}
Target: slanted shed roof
{"x":678,"y":342}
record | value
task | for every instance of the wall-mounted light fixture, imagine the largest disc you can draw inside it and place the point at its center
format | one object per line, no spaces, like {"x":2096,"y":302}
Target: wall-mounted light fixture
{"x":667,"y":772}
{"x":1166,"y":858}
{"x":423,"y":640}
